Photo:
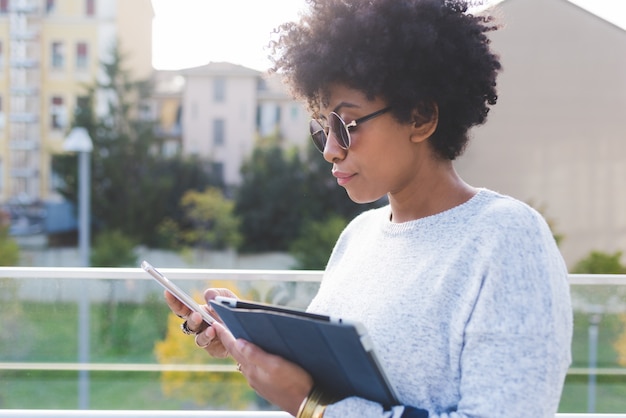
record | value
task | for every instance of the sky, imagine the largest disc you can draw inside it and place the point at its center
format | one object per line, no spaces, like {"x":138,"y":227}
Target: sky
{"x":191,"y":33}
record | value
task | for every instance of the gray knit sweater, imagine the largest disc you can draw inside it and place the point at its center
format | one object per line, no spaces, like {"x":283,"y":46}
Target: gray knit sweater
{"x":469,"y":309}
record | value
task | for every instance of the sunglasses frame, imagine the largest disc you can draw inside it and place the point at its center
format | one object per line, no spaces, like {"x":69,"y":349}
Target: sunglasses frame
{"x":342,"y":137}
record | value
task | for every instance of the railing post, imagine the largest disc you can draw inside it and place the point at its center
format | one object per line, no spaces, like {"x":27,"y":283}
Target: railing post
{"x":594,"y":322}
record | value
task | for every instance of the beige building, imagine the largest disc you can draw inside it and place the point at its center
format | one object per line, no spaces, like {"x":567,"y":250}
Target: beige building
{"x":225,"y":107}
{"x":557,"y":137}
{"x":48,"y":50}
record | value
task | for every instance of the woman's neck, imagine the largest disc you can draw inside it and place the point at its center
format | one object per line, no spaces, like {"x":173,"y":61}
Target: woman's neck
{"x":443,"y":189}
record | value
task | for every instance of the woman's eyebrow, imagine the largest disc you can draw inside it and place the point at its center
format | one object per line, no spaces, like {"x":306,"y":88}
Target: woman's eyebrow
{"x":344,"y":104}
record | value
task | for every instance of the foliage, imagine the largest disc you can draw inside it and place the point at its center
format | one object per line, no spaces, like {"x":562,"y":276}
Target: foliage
{"x":9,"y":249}
{"x":126,"y":328}
{"x":315,"y":243}
{"x":214,"y":389}
{"x":280,"y":191}
{"x":168,"y":234}
{"x":600,"y":263}
{"x":113,"y":249}
{"x":11,"y":322}
{"x":268,"y":200}
{"x":132,"y":187}
{"x":209,"y":220}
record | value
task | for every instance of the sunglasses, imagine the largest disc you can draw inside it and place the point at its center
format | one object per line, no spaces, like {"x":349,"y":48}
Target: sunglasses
{"x":339,"y":129}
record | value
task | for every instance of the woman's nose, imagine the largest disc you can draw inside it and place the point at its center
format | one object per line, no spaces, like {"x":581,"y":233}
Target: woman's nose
{"x":332,"y":150}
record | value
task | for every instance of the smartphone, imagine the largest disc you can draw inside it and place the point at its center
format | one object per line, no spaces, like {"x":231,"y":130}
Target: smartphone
{"x":177,"y":292}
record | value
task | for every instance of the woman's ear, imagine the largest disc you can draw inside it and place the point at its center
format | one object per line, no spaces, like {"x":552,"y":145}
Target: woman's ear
{"x":424,"y":121}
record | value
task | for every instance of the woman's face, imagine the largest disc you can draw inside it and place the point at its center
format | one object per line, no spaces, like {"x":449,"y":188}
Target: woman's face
{"x":383,"y":156}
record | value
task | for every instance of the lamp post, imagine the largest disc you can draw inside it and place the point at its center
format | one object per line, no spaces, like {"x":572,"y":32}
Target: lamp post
{"x":80,"y":142}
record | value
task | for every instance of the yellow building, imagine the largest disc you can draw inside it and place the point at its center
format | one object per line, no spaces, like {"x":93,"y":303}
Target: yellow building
{"x":48,"y":50}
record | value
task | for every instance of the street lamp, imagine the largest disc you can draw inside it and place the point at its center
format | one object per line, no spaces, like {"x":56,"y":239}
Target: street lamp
{"x":80,"y":142}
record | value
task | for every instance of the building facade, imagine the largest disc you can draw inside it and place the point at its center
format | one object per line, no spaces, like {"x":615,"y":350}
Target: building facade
{"x":49,"y":49}
{"x":557,"y":136}
{"x":226,"y":107}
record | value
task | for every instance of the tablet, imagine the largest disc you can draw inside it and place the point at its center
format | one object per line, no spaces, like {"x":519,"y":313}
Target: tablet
{"x":337,"y":353}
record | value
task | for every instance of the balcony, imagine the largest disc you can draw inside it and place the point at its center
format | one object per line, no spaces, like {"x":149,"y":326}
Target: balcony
{"x":81,"y":378}
{"x":24,"y":63}
{"x":23,"y":117}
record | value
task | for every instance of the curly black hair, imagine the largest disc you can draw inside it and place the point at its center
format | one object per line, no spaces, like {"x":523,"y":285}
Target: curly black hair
{"x":412,"y":53}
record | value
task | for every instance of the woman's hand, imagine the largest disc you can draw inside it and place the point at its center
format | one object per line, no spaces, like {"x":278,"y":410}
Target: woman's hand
{"x":208,"y":342}
{"x":281,"y":382}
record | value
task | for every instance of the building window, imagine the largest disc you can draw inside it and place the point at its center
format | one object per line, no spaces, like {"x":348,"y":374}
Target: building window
{"x":83,"y":106}
{"x":50,"y":4}
{"x":217,"y":172}
{"x":90,"y":7}
{"x":58,"y":58}
{"x":279,"y":112}
{"x":219,"y":89}
{"x":218,"y":131}
{"x":81,"y":56}
{"x":57,"y":113}
{"x":295,"y":112}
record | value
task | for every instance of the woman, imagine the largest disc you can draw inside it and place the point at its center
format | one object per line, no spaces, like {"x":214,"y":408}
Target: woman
{"x":462,"y":290}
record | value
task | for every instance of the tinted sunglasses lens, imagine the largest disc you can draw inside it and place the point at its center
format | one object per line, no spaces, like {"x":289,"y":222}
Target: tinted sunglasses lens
{"x":338,"y":128}
{"x":317,"y":135}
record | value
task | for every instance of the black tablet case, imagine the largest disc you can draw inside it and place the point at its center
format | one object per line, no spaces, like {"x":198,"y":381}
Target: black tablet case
{"x":341,"y":362}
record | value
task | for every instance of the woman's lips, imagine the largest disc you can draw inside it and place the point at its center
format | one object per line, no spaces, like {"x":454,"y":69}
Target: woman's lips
{"x":343,"y":178}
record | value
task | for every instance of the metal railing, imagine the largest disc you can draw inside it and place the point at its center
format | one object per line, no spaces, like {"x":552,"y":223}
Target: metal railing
{"x":211,"y":274}
{"x":34,"y":413}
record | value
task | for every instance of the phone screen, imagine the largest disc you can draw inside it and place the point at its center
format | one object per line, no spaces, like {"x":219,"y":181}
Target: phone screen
{"x":177,"y":291}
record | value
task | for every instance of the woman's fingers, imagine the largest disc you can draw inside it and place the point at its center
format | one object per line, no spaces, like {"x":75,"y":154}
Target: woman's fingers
{"x":211,"y":342}
{"x":176,"y":305}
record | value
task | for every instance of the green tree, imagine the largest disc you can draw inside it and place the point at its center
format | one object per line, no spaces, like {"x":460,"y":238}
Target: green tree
{"x":315,"y":243}
{"x":9,"y":249}
{"x":208,"y":222}
{"x":281,"y":191}
{"x":11,"y":307}
{"x":598,"y":262}
{"x":113,"y":249}
{"x":269,"y":200}
{"x":133,"y":188}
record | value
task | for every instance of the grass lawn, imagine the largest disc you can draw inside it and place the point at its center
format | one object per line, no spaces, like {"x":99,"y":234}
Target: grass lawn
{"x":126,"y":333}
{"x":120,"y":333}
{"x":610,"y":390}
